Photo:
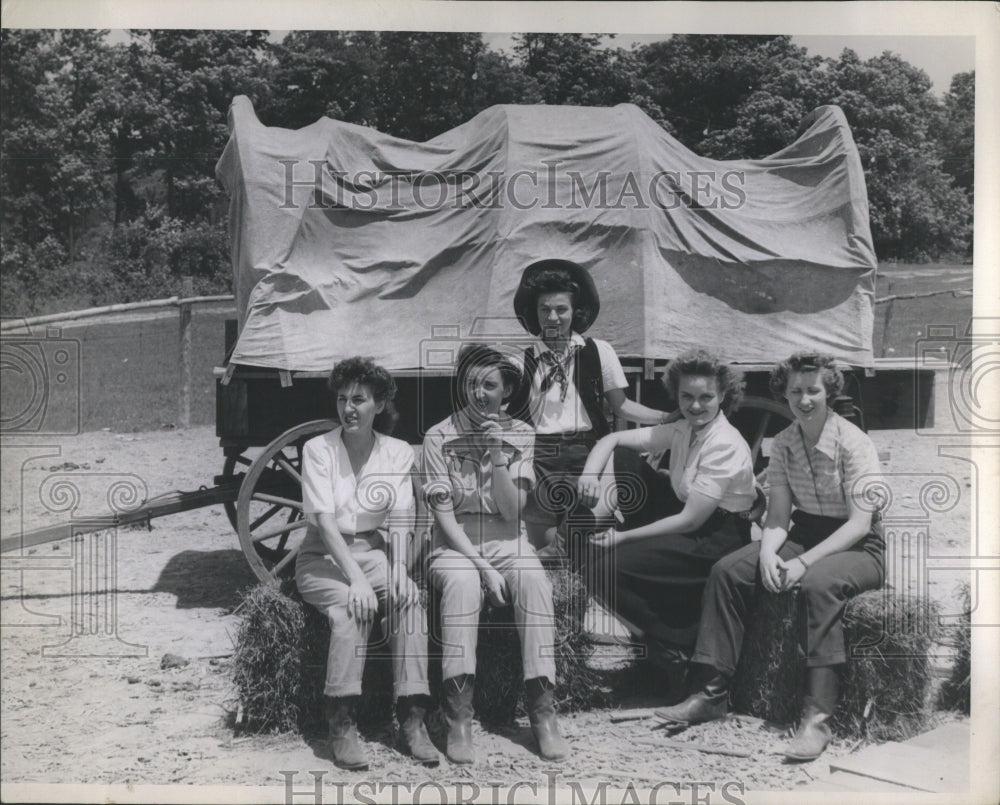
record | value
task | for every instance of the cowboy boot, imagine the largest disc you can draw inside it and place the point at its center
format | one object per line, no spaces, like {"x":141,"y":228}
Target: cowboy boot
{"x":344,"y":740}
{"x":709,"y":702}
{"x":542,"y":715}
{"x":457,"y":706}
{"x":814,"y":731}
{"x":413,"y":738}
{"x":671,"y":664}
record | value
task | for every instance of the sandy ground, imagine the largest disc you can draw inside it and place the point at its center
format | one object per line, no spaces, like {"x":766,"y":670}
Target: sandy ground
{"x":97,"y":707}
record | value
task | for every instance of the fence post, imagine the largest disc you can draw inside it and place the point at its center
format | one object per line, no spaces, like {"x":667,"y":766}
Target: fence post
{"x":184,"y":384}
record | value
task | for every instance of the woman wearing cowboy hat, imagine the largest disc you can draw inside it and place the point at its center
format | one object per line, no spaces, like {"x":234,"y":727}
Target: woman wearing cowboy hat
{"x":567,"y":378}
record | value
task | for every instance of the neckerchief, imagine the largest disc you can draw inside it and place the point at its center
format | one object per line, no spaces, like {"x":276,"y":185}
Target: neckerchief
{"x":556,"y":369}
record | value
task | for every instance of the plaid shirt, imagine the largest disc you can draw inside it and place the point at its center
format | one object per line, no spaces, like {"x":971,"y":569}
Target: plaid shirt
{"x":822,"y":479}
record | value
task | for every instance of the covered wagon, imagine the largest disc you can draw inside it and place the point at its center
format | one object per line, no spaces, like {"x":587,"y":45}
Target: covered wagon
{"x":349,"y":241}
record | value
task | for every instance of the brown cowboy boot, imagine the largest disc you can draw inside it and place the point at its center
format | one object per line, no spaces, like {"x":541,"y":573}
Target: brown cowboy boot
{"x":412,"y":737}
{"x":344,"y":740}
{"x":709,"y":702}
{"x":814,"y":731}
{"x":542,"y":714}
{"x":457,"y":706}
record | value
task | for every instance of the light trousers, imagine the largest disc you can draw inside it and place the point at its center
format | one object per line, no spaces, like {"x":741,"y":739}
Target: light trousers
{"x":458,"y":581}
{"x":323,"y":584}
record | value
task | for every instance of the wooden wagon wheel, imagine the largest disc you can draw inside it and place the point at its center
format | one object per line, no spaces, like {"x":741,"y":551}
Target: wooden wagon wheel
{"x":759,"y":419}
{"x":269,"y":507}
{"x":235,"y":467}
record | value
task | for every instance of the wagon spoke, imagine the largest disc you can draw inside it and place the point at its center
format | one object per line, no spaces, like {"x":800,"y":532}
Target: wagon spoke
{"x":279,"y":530}
{"x":758,"y":438}
{"x":288,"y":558}
{"x":265,"y":517}
{"x":266,"y":498}
{"x":283,"y":463}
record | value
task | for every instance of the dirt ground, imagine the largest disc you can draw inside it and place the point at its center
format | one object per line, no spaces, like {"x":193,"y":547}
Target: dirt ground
{"x":97,"y":707}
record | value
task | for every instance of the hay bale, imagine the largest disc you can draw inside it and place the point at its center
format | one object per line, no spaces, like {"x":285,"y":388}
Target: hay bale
{"x":884,"y":691}
{"x":769,"y":679}
{"x":279,"y":664}
{"x":281,"y":648}
{"x":499,"y":684}
{"x":956,"y":693}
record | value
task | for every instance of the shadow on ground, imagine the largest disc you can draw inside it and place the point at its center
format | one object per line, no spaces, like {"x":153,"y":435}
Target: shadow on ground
{"x":215,"y":579}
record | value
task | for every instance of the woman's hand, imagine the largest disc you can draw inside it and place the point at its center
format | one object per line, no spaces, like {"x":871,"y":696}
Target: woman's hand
{"x":589,"y":488}
{"x":492,"y":433}
{"x":609,"y":538}
{"x":496,"y":586}
{"x":772,"y":572}
{"x":403,"y":591}
{"x":362,"y":603}
{"x":794,"y":570}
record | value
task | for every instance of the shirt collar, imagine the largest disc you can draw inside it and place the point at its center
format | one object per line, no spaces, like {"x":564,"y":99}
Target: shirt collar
{"x":575,"y":340}
{"x":712,"y":426}
{"x":827,"y":443}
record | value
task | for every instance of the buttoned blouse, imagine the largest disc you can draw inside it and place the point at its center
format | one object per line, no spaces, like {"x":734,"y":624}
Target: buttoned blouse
{"x":823,"y":478}
{"x":716,"y":462}
{"x":362,"y":503}
{"x":456,"y":461}
{"x":553,"y":415}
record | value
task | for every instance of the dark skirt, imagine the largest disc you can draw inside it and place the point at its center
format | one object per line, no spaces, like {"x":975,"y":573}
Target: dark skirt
{"x":656,"y":583}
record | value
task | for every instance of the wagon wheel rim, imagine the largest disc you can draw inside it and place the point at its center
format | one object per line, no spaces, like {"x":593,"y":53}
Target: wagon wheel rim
{"x":269,"y":518}
{"x":229,"y":472}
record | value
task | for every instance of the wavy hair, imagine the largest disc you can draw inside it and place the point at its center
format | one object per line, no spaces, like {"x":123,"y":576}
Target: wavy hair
{"x":365,"y":372}
{"x":475,"y":356}
{"x":559,"y":280}
{"x":700,"y":363}
{"x":826,"y":365}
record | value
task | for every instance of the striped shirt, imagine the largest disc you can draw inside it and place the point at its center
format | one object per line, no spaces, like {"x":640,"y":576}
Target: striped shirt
{"x":455,"y":461}
{"x":823,"y":478}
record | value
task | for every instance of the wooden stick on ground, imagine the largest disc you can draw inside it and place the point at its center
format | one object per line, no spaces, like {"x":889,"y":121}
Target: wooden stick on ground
{"x":695,"y":747}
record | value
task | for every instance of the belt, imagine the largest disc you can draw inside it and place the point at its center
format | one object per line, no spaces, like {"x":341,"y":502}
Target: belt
{"x":567,"y":436}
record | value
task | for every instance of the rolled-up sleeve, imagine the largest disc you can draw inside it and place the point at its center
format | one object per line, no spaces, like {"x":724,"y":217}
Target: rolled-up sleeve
{"x":317,"y":478}
{"x":860,"y":467}
{"x":777,"y":468}
{"x":717,"y":466}
{"x":522,"y":467}
{"x":434,"y":480}
{"x":612,"y":374}
{"x":402,"y":478}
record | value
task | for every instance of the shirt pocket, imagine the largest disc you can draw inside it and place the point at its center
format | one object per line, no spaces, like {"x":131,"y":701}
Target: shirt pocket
{"x":829,"y":481}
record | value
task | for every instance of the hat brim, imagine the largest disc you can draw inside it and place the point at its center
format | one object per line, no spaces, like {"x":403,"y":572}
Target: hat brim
{"x":588,"y":303}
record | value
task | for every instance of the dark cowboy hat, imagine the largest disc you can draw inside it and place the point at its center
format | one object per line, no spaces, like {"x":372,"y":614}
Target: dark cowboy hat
{"x":588,"y":303}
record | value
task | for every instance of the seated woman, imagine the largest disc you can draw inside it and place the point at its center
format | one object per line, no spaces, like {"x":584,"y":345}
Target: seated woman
{"x":356,"y":487}
{"x":833,"y":551}
{"x":672,"y":529}
{"x":477,"y":470}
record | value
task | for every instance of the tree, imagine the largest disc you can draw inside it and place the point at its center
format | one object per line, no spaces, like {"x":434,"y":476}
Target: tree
{"x":732,"y":97}
{"x":956,"y":131}
{"x":582,"y":69}
{"x":916,"y":210}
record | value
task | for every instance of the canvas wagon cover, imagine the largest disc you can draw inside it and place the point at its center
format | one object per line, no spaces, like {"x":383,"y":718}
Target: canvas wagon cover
{"x":348,"y":241}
